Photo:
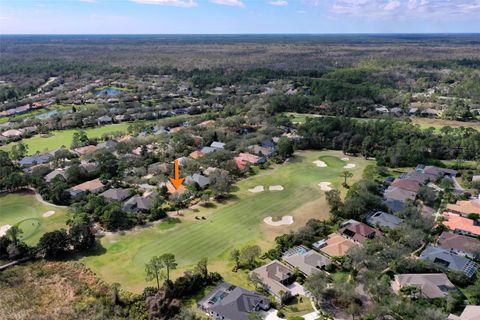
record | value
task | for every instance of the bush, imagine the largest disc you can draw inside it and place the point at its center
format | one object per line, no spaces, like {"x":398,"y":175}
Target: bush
{"x":280,"y":314}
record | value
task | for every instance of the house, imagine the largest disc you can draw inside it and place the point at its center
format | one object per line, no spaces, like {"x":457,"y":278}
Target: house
{"x":12,"y":133}
{"x":85,"y":150}
{"x":182,"y":161}
{"x":357,"y":231}
{"x":196,"y":154}
{"x":34,"y":160}
{"x":171,"y":189}
{"x":395,"y":205}
{"x":116,"y":194}
{"x":158,"y":167}
{"x":140,"y":203}
{"x":399,"y":194}
{"x":407,"y":184}
{"x":431,"y":285}
{"x":476,"y":178}
{"x":262,"y":151}
{"x":307,"y":261}
{"x":461,"y":225}
{"x":470,"y":312}
{"x":109,"y":145}
{"x":245,"y":158}
{"x":209,"y":171}
{"x":93,"y":186}
{"x":60,"y":172}
{"x":334,"y":246}
{"x":384,"y":219}
{"x":381,"y":109}
{"x":229,"y":302}
{"x":449,"y":260}
{"x":207,"y":150}
{"x":435,"y":171}
{"x":420,"y":177}
{"x":217,"y":145}
{"x":89,"y":167}
{"x":465,"y":207}
{"x":104,"y":119}
{"x":202,"y":181}
{"x":459,"y":244}
{"x":207,"y":123}
{"x":275,"y":277}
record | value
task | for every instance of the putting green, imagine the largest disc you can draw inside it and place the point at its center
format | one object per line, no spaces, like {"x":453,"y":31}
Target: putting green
{"x":25,"y":211}
{"x":229,"y":225}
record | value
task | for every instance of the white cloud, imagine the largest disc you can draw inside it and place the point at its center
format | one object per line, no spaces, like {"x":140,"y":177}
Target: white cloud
{"x":88,"y":1}
{"x":392,"y":5}
{"x":173,"y":3}
{"x":301,"y":11}
{"x":279,"y":3}
{"x":233,"y":3}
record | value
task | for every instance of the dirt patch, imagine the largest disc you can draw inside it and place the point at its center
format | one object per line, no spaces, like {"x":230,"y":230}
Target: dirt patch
{"x":48,"y":214}
{"x":4,"y":229}
{"x":345,"y":159}
{"x":325,"y":186}
{"x":275,"y":188}
{"x":350,"y":166}
{"x":285,"y":220}
{"x":257,"y":189}
{"x":319,"y":163}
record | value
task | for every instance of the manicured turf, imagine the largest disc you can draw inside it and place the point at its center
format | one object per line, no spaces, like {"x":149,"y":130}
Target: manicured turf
{"x":56,"y":139}
{"x":233,"y":224}
{"x":23,"y":209}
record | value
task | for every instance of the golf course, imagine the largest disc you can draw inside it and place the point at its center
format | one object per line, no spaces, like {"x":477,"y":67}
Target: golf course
{"x":289,"y":190}
{"x":33,"y":217}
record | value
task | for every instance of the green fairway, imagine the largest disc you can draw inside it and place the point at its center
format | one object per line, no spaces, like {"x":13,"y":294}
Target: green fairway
{"x":25,"y":211}
{"x":56,"y":139}
{"x":233,"y":224}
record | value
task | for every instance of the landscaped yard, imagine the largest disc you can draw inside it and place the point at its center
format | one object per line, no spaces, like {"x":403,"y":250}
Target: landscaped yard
{"x":233,"y":224}
{"x":25,"y":211}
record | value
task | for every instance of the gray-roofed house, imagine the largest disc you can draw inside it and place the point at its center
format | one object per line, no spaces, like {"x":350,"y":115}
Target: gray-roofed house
{"x":202,"y":181}
{"x":384,"y":219}
{"x":207,"y":150}
{"x":230,"y":302}
{"x":116,"y":194}
{"x":431,"y":285}
{"x":449,"y":260}
{"x":459,"y":244}
{"x":34,"y":160}
{"x":104,"y":120}
{"x":217,"y":145}
{"x":275,"y":277}
{"x":399,"y":194}
{"x":308,"y":263}
{"x":109,"y":144}
{"x":140,"y":203}
{"x":395,"y":205}
{"x":56,"y":173}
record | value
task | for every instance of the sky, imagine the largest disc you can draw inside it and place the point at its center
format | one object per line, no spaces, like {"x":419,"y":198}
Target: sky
{"x":238,"y":16}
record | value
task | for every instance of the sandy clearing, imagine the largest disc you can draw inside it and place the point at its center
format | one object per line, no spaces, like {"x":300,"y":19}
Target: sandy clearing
{"x":325,"y":186}
{"x":4,"y":229}
{"x":319,"y":163}
{"x":257,"y":189}
{"x":275,"y":188}
{"x":350,"y":166}
{"x":345,"y":159}
{"x":48,"y":214}
{"x":286,"y":220}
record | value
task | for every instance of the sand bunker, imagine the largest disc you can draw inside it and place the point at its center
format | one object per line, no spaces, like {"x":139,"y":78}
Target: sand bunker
{"x":345,"y":159}
{"x":48,"y":214}
{"x":325,"y":186}
{"x":320,"y":163}
{"x":350,"y":165}
{"x":286,"y":220}
{"x":275,"y":188}
{"x":4,"y":229}
{"x":257,"y":189}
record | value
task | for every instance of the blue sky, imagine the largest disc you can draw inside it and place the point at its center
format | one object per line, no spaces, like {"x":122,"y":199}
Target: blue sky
{"x":237,"y":16}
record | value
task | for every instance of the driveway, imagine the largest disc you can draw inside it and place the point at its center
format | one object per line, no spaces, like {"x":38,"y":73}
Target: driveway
{"x":297,"y":289}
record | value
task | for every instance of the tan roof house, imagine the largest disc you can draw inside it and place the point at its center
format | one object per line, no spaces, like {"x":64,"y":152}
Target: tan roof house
{"x":431,"y":285}
{"x":93,"y":186}
{"x":334,"y":246}
{"x":308,"y":263}
{"x":465,"y":207}
{"x":275,"y":277}
{"x":470,"y":312}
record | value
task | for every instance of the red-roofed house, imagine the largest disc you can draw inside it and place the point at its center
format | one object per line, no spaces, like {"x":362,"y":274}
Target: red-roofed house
{"x":244,"y":158}
{"x":461,"y":225}
{"x":358,"y":231}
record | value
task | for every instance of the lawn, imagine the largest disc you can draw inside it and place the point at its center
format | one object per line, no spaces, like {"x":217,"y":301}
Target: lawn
{"x":56,"y":139}
{"x":25,"y":211}
{"x":229,"y":225}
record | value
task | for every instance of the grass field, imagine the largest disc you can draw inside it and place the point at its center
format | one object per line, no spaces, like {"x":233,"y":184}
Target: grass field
{"x":229,"y":225}
{"x":56,"y":139}
{"x":25,"y":211}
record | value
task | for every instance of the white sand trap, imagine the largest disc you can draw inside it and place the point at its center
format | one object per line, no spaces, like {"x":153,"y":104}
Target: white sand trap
{"x":345,"y":159}
{"x":286,"y":220}
{"x":48,"y":214}
{"x":350,"y":165}
{"x":4,"y":229}
{"x":257,"y":189}
{"x":275,"y":188}
{"x":325,"y":186}
{"x":320,"y":163}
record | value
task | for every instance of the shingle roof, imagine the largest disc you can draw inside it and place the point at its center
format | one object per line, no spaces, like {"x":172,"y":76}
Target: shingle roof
{"x":465,"y":206}
{"x":336,"y":245}
{"x":468,"y":245}
{"x":308,"y":263}
{"x":384,"y":219}
{"x":272,"y":275}
{"x":217,"y":145}
{"x":116,"y":194}
{"x":358,"y":231}
{"x":407,"y":184}
{"x":399,"y":194}
{"x":449,"y":260}
{"x":432,"y":285}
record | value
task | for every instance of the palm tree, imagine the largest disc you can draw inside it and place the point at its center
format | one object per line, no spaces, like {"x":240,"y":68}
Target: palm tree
{"x":169,"y":263}
{"x":346,"y":174}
